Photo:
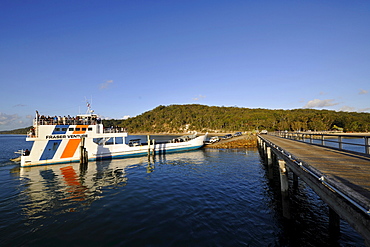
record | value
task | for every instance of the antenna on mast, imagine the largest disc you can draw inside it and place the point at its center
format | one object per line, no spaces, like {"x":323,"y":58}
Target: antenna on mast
{"x":88,"y":105}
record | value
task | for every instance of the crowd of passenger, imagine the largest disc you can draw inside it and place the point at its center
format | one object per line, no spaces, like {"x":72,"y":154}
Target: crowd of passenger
{"x":68,"y":120}
{"x":115,"y":129}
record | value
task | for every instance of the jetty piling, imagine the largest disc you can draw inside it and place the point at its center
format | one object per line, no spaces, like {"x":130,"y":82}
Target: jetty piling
{"x":83,"y":152}
{"x":148,"y":138}
{"x":334,"y":223}
{"x":283,"y":177}
{"x":269,"y":159}
{"x":153,"y":146}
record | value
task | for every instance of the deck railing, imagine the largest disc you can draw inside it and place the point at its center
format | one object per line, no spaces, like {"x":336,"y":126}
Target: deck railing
{"x":66,"y":122}
{"x":34,"y":131}
{"x":350,"y":142}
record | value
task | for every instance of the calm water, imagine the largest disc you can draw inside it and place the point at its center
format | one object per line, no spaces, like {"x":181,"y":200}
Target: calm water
{"x":349,"y":143}
{"x":200,"y":198}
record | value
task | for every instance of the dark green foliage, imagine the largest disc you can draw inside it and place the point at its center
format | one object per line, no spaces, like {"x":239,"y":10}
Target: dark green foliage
{"x":202,"y":118}
{"x":180,"y":118}
{"x":17,"y":131}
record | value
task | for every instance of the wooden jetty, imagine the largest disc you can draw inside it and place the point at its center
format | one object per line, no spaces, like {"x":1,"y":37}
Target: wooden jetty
{"x":341,"y":178}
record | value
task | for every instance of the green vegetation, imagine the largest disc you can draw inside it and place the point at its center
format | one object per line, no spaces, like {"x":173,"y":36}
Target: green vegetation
{"x":17,"y":131}
{"x":202,"y":118}
{"x":181,"y":118}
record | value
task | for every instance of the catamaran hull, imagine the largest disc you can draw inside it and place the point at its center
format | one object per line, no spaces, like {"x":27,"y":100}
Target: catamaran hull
{"x":126,"y":152}
{"x":134,"y":154}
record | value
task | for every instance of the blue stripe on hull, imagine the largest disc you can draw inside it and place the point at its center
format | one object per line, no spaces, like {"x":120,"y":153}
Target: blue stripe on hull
{"x":52,"y":145}
{"x":50,"y":149}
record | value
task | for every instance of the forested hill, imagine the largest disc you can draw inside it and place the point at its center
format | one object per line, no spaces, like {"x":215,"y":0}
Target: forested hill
{"x":201,"y":118}
{"x":22,"y":131}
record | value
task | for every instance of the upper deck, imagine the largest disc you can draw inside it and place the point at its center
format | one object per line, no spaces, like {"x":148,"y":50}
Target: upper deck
{"x":89,"y":123}
{"x":86,"y":119}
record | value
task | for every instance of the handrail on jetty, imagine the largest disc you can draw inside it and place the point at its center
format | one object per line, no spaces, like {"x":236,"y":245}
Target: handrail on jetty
{"x":325,"y":139}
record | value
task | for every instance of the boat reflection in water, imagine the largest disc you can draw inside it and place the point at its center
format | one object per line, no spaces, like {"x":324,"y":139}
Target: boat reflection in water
{"x":67,"y":187}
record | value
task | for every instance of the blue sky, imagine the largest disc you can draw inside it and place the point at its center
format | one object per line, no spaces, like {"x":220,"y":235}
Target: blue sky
{"x":131,"y":56}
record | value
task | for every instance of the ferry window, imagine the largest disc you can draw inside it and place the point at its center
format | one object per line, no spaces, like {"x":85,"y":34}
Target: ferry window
{"x":89,"y":129}
{"x":71,"y":129}
{"x":110,"y":141}
{"x":78,"y":129}
{"x":119,"y":140}
{"x":64,"y":129}
{"x":98,"y":140}
{"x":57,"y":129}
{"x":83,"y":129}
{"x":55,"y":146}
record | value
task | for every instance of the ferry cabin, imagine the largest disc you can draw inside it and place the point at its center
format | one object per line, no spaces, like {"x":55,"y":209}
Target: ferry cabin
{"x":59,"y":140}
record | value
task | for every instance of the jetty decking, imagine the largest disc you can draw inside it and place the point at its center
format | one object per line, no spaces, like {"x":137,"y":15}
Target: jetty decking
{"x":341,"y":178}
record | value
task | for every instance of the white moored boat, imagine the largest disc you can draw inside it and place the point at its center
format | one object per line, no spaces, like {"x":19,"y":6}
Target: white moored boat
{"x":61,"y":139}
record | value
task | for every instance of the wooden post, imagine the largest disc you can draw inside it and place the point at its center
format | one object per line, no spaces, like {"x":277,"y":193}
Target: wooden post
{"x":284,"y":189}
{"x":283,"y":177}
{"x":153,"y":146}
{"x":260,"y":144}
{"x":86,"y":156}
{"x":334,"y":224}
{"x":148,"y":136}
{"x":295,"y":181}
{"x":340,"y":142}
{"x":270,"y":172}
{"x":367,"y":145}
{"x":83,"y":152}
{"x":269,"y":160}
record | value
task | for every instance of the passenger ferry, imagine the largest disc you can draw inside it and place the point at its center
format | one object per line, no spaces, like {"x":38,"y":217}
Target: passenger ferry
{"x":71,"y":139}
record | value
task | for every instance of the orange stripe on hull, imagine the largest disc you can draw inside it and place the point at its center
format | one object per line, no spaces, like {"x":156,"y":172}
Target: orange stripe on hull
{"x":73,"y":144}
{"x":80,"y":127}
{"x":71,"y":148}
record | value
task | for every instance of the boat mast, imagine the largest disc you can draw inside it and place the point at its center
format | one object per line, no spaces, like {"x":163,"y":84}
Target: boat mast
{"x":88,"y":105}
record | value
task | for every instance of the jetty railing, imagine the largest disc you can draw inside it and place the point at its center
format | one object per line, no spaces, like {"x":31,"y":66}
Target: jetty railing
{"x":349,"y":142}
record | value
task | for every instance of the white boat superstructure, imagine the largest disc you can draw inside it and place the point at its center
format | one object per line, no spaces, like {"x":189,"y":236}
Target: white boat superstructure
{"x":59,"y":140}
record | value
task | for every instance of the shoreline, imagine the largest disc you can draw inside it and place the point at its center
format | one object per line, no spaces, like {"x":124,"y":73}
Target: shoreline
{"x":243,"y":141}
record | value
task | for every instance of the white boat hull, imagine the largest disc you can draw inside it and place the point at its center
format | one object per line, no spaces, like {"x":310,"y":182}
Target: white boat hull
{"x":62,"y":144}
